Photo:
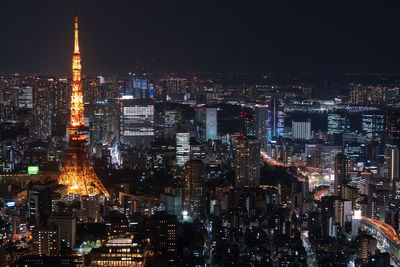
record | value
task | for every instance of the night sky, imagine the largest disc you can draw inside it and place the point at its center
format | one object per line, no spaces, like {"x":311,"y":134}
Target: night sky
{"x":202,"y":35}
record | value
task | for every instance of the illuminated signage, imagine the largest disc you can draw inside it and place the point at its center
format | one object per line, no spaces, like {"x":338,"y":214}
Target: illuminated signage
{"x":33,"y":169}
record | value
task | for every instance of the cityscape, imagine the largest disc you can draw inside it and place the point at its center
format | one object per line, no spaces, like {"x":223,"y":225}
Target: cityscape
{"x":143,"y":167}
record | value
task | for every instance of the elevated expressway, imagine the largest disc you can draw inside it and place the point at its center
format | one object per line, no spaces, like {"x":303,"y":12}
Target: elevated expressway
{"x":383,"y":232}
{"x":386,"y":236}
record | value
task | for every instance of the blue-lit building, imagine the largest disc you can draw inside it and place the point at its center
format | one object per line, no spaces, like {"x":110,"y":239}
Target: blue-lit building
{"x":211,"y":124}
{"x":138,"y":87}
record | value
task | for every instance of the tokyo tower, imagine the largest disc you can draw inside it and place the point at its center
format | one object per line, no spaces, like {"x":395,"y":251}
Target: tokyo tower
{"x":78,"y":173}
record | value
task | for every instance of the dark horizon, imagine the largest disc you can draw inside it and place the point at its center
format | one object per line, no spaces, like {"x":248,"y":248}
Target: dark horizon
{"x":181,"y":36}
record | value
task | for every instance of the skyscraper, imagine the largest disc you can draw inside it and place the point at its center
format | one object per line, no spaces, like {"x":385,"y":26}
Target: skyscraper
{"x":137,"y":121}
{"x":262,"y":124}
{"x":211,"y":124}
{"x":194,"y":188}
{"x":338,"y":123}
{"x":182,"y":148}
{"x":373,"y":126}
{"x":342,"y":169}
{"x":42,"y":118}
{"x":45,"y":241}
{"x":137,"y":112}
{"x":301,"y":130}
{"x":392,"y":164}
{"x":247,"y":162}
{"x":66,"y":228}
{"x":78,"y":174}
{"x":275,"y":118}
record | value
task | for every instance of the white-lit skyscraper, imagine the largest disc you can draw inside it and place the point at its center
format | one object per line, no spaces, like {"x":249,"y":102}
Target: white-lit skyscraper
{"x":182,"y":148}
{"x":137,"y":121}
{"x":275,"y":118}
{"x":262,"y":124}
{"x":301,"y":130}
{"x":392,"y":164}
{"x":211,"y":123}
{"x":137,"y":114}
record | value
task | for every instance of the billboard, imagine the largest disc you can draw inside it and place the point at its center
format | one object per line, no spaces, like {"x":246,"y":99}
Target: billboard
{"x":33,"y":169}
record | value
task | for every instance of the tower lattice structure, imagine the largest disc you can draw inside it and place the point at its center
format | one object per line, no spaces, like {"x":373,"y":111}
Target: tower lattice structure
{"x":78,"y":173}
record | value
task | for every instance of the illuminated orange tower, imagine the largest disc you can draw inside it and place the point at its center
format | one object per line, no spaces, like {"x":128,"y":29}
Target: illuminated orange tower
{"x":78,"y":173}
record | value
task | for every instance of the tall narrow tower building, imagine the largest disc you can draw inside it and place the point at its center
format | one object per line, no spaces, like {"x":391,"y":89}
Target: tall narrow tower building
{"x":78,"y":173}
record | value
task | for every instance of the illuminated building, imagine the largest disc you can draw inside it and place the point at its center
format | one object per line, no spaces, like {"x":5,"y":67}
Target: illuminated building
{"x":262,"y":124}
{"x":139,"y":88}
{"x":78,"y":173}
{"x":301,"y":130}
{"x":66,"y":228}
{"x":42,"y":114}
{"x":338,"y":123}
{"x":373,"y":126}
{"x":392,"y":126}
{"x":137,"y":112}
{"x":194,"y":188}
{"x":137,"y":121}
{"x":249,"y":124}
{"x":342,"y":170}
{"x":275,"y":119}
{"x":211,"y":124}
{"x":45,"y":241}
{"x":392,"y":164}
{"x":247,"y":162}
{"x":182,"y":148}
{"x":118,"y":252}
{"x":313,"y":155}
{"x":163,"y":237}
{"x":90,"y":208}
{"x":328,"y":155}
{"x":39,"y":203}
{"x":25,"y":98}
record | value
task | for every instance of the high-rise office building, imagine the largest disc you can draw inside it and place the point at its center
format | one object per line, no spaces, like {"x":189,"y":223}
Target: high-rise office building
{"x":275,"y":118}
{"x":90,"y":208}
{"x":211,"y":124}
{"x":247,"y":162}
{"x":392,"y":126}
{"x":338,"y":123}
{"x":45,"y":241}
{"x":373,"y":126}
{"x":182,"y":148}
{"x":342,"y":170}
{"x":262,"y":124}
{"x":138,"y":87}
{"x":194,"y":188}
{"x":163,"y":229}
{"x":25,"y":98}
{"x":66,"y":228}
{"x":137,"y":121}
{"x":392,"y":164}
{"x":42,"y":119}
{"x":301,"y":130}
{"x":328,"y":155}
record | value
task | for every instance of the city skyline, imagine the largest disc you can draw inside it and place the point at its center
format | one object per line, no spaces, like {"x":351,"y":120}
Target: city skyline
{"x":141,"y":168}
